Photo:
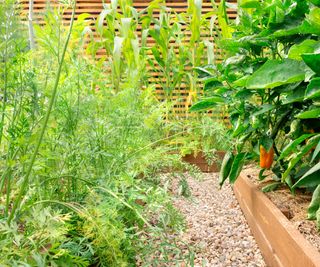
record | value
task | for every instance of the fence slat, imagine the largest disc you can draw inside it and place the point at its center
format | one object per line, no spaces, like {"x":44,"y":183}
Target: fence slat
{"x":94,"y":8}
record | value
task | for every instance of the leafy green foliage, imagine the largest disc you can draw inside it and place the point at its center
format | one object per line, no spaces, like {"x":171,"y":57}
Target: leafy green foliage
{"x":226,"y":167}
{"x":199,"y":134}
{"x":310,"y":178}
{"x":93,"y":187}
{"x":271,"y":187}
{"x":269,"y":81}
{"x":313,"y":89}
{"x":309,"y":114}
{"x":275,"y":73}
{"x":206,"y":103}
{"x":314,"y":205}
{"x":236,"y":167}
{"x":312,"y":60}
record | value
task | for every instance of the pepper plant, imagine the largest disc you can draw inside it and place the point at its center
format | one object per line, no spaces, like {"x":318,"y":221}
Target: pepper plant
{"x":270,"y":84}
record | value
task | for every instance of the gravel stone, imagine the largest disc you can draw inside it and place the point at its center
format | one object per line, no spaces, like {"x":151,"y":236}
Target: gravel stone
{"x":216,"y":225}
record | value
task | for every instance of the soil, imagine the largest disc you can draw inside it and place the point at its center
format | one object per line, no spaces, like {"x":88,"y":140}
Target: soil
{"x":294,"y":207}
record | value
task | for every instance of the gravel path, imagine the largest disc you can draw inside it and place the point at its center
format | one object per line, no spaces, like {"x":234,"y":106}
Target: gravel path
{"x":216,"y":226}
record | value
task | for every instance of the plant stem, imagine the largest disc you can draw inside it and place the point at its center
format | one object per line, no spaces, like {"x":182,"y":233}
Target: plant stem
{"x":279,"y":124}
{"x":45,"y":122}
{"x":275,"y":131}
{"x":30,"y":26}
{"x":5,"y":90}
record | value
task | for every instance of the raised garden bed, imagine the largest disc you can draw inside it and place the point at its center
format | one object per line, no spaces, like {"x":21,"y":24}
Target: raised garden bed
{"x":200,"y":161}
{"x":280,"y":242}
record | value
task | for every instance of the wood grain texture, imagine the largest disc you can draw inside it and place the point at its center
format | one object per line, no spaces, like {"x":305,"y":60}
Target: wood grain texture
{"x":280,"y":243}
{"x":200,"y":161}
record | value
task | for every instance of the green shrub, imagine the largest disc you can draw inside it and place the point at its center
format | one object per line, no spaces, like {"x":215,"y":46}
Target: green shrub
{"x":269,"y":83}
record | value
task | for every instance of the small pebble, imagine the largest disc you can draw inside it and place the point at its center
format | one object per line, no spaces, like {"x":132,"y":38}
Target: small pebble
{"x":216,"y":226}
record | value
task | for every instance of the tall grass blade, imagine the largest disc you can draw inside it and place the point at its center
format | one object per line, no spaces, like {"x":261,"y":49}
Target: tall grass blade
{"x":25,"y":180}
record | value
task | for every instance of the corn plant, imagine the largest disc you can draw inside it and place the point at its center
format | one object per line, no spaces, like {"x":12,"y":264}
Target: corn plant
{"x":119,"y":38}
{"x":167,"y":33}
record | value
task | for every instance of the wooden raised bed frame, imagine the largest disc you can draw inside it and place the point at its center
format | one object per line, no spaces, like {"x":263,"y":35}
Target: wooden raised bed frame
{"x":280,"y":243}
{"x":200,"y":161}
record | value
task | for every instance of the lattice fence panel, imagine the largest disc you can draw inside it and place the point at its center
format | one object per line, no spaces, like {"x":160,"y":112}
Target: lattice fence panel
{"x":94,"y":7}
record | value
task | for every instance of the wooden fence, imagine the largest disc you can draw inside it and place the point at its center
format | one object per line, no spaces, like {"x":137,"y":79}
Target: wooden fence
{"x":180,"y":95}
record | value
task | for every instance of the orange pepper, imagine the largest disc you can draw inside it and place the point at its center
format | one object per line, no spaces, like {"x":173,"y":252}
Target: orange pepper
{"x":266,"y":157}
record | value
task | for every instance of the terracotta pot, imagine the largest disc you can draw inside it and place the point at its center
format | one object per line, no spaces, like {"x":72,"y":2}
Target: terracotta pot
{"x":200,"y":161}
{"x":280,"y":242}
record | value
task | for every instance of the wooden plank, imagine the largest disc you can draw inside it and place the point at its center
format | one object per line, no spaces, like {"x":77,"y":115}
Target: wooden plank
{"x":280,"y":243}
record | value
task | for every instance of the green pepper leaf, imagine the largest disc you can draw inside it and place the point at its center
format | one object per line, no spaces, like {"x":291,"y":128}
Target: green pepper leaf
{"x":270,"y":187}
{"x":240,"y":127}
{"x":313,"y":89}
{"x":236,"y":167}
{"x":313,"y":61}
{"x":261,"y":176}
{"x":211,"y":83}
{"x":306,"y":27}
{"x":314,"y":204}
{"x":207,"y":103}
{"x":296,"y":95}
{"x":293,"y":145}
{"x":314,"y":18}
{"x":311,"y":143}
{"x":309,"y":114}
{"x":251,"y":4}
{"x":274,"y":73}
{"x":307,"y":46}
{"x":316,"y":152}
{"x":241,"y":82}
{"x":310,"y":178}
{"x":203,"y":72}
{"x":263,"y":109}
{"x":235,"y":60}
{"x":315,"y":2}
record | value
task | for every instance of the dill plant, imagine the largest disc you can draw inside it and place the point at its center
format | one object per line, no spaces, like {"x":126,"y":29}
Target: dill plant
{"x":79,"y":171}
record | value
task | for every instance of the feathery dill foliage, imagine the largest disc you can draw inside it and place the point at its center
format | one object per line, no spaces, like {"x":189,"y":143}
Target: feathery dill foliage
{"x":79,"y":169}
